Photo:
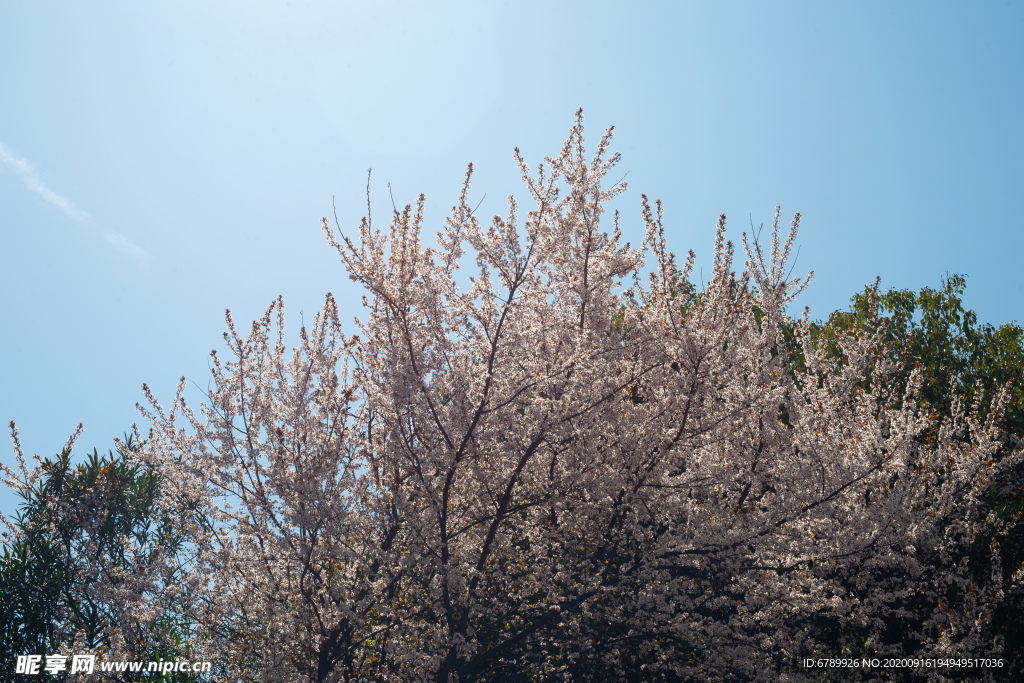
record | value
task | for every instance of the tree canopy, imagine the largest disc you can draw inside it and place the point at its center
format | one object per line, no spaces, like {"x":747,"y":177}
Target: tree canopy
{"x":575,"y":469}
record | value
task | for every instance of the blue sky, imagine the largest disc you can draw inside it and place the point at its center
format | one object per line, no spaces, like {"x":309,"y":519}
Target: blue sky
{"x":160,"y":162}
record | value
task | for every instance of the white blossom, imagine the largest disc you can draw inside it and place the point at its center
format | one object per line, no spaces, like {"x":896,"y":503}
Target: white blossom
{"x":542,"y":471}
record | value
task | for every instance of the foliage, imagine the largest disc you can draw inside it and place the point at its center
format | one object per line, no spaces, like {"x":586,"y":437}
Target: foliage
{"x":81,"y":538}
{"x":957,"y":357}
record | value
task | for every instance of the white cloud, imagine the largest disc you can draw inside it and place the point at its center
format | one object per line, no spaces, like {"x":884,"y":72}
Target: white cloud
{"x":32,"y":182}
{"x":125,"y":245}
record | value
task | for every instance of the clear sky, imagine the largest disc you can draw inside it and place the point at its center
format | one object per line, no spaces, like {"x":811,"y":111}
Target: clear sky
{"x":160,"y":162}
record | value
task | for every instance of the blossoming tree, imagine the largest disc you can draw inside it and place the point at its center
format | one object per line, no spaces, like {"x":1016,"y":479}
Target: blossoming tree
{"x":564,"y":468}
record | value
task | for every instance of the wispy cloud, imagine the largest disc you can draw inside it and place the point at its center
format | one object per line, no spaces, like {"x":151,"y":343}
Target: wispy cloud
{"x":31,"y":180}
{"x":123,"y":244}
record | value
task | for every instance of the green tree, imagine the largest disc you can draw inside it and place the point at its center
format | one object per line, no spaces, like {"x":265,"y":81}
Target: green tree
{"x":80,"y":530}
{"x":958,"y":358}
